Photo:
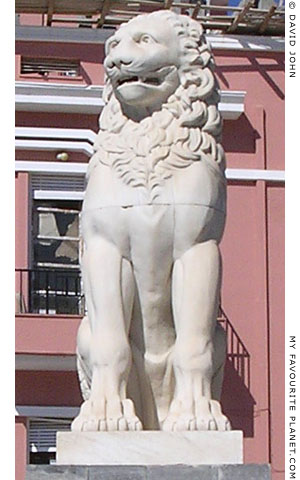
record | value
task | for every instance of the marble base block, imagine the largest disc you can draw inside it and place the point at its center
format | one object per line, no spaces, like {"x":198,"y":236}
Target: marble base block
{"x":152,"y":472}
{"x":149,"y":448}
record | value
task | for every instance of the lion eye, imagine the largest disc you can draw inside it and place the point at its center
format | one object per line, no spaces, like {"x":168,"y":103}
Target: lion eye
{"x":146,"y":39}
{"x":113,"y":44}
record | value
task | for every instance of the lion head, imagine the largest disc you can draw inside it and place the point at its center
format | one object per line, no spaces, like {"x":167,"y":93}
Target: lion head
{"x":161,"y":100}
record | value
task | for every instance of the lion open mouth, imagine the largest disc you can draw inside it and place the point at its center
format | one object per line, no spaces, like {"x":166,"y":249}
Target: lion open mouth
{"x":133,"y":79}
{"x":155,"y":78}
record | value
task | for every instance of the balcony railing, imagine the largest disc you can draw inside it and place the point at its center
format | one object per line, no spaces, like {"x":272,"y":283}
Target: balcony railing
{"x":57,"y":291}
{"x":49,"y":291}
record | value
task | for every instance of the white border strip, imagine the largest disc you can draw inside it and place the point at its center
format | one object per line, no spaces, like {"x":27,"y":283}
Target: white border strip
{"x":292,"y":334}
{"x":81,"y":168}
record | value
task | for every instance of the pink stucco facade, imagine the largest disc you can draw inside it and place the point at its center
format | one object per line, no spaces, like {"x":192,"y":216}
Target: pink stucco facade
{"x":252,"y":248}
{"x":21,"y":454}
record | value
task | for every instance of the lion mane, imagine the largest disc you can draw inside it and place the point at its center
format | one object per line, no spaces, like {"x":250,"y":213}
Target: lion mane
{"x":186,"y":129}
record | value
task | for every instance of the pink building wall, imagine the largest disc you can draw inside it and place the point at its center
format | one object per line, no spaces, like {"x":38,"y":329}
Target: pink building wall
{"x":252,"y":247}
{"x":275,"y":234}
{"x":60,"y":339}
{"x":90,"y":57}
{"x":20,"y":447}
{"x":22,"y":217}
{"x":257,"y":139}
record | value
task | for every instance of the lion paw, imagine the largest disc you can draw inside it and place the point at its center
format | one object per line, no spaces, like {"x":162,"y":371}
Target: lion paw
{"x":204,"y":415}
{"x":107,"y":416}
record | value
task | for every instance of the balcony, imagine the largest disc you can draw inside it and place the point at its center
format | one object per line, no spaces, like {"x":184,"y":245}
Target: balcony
{"x":49,"y":307}
{"x":44,"y":292}
{"x":59,"y":292}
{"x":49,"y":292}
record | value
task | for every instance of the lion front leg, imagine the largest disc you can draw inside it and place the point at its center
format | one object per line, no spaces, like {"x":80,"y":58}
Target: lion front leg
{"x":196,"y":285}
{"x":109,"y":291}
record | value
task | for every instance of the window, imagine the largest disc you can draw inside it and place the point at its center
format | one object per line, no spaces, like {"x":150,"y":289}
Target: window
{"x":55,"y":281}
{"x":50,"y":66}
{"x":52,"y":284}
{"x":56,"y":234}
{"x":42,"y":438}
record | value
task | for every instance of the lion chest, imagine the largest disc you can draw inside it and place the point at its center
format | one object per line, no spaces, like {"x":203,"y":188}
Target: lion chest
{"x":189,"y":208}
{"x":201,"y":183}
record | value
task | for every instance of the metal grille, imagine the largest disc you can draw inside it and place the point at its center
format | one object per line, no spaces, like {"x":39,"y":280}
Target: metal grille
{"x":49,"y":291}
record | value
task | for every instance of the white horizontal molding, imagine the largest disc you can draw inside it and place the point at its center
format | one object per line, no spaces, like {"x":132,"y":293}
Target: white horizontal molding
{"x":50,"y":167}
{"x":100,"y":35}
{"x":46,"y":412}
{"x":42,"y":97}
{"x":60,"y":89}
{"x":246,"y":42}
{"x":40,"y":103}
{"x":249,"y":174}
{"x":232,"y":104}
{"x":57,"y":195}
{"x":55,"y":145}
{"x":255,"y":174}
{"x":56,"y":133}
{"x":38,"y":362}
{"x":56,"y":97}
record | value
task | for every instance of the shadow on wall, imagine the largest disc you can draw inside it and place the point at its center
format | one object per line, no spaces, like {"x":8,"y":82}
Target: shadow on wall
{"x":257,"y":62}
{"x":237,"y":401}
{"x":240,"y":138}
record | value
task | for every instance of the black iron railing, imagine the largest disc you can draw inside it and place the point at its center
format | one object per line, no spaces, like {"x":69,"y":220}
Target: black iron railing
{"x":49,"y":291}
{"x":237,"y":353}
{"x":57,"y":291}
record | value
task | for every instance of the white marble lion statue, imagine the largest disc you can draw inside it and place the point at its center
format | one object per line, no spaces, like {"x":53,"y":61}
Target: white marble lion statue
{"x":150,"y":354}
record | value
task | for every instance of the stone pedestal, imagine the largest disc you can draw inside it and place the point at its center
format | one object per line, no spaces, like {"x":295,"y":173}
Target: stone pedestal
{"x":169,"y":472}
{"x":149,"y":456}
{"x":149,"y":448}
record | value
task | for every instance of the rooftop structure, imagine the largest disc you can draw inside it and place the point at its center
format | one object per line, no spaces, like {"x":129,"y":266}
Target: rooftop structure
{"x":244,"y":19}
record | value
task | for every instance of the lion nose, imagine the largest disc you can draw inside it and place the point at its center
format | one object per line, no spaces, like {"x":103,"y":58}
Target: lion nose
{"x":117,"y":62}
{"x":120,"y":56}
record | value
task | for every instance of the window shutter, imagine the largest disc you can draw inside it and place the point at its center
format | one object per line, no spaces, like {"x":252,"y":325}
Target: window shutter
{"x":44,"y":66}
{"x":42,"y":433}
{"x":58,"y":182}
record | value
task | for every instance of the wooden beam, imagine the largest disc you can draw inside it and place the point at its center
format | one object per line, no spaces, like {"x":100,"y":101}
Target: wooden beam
{"x":50,"y":12}
{"x":124,"y":12}
{"x":240,"y":17}
{"x":104,"y":12}
{"x":74,"y":20}
{"x":196,"y":10}
{"x":168,"y":4}
{"x":265,"y":21}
